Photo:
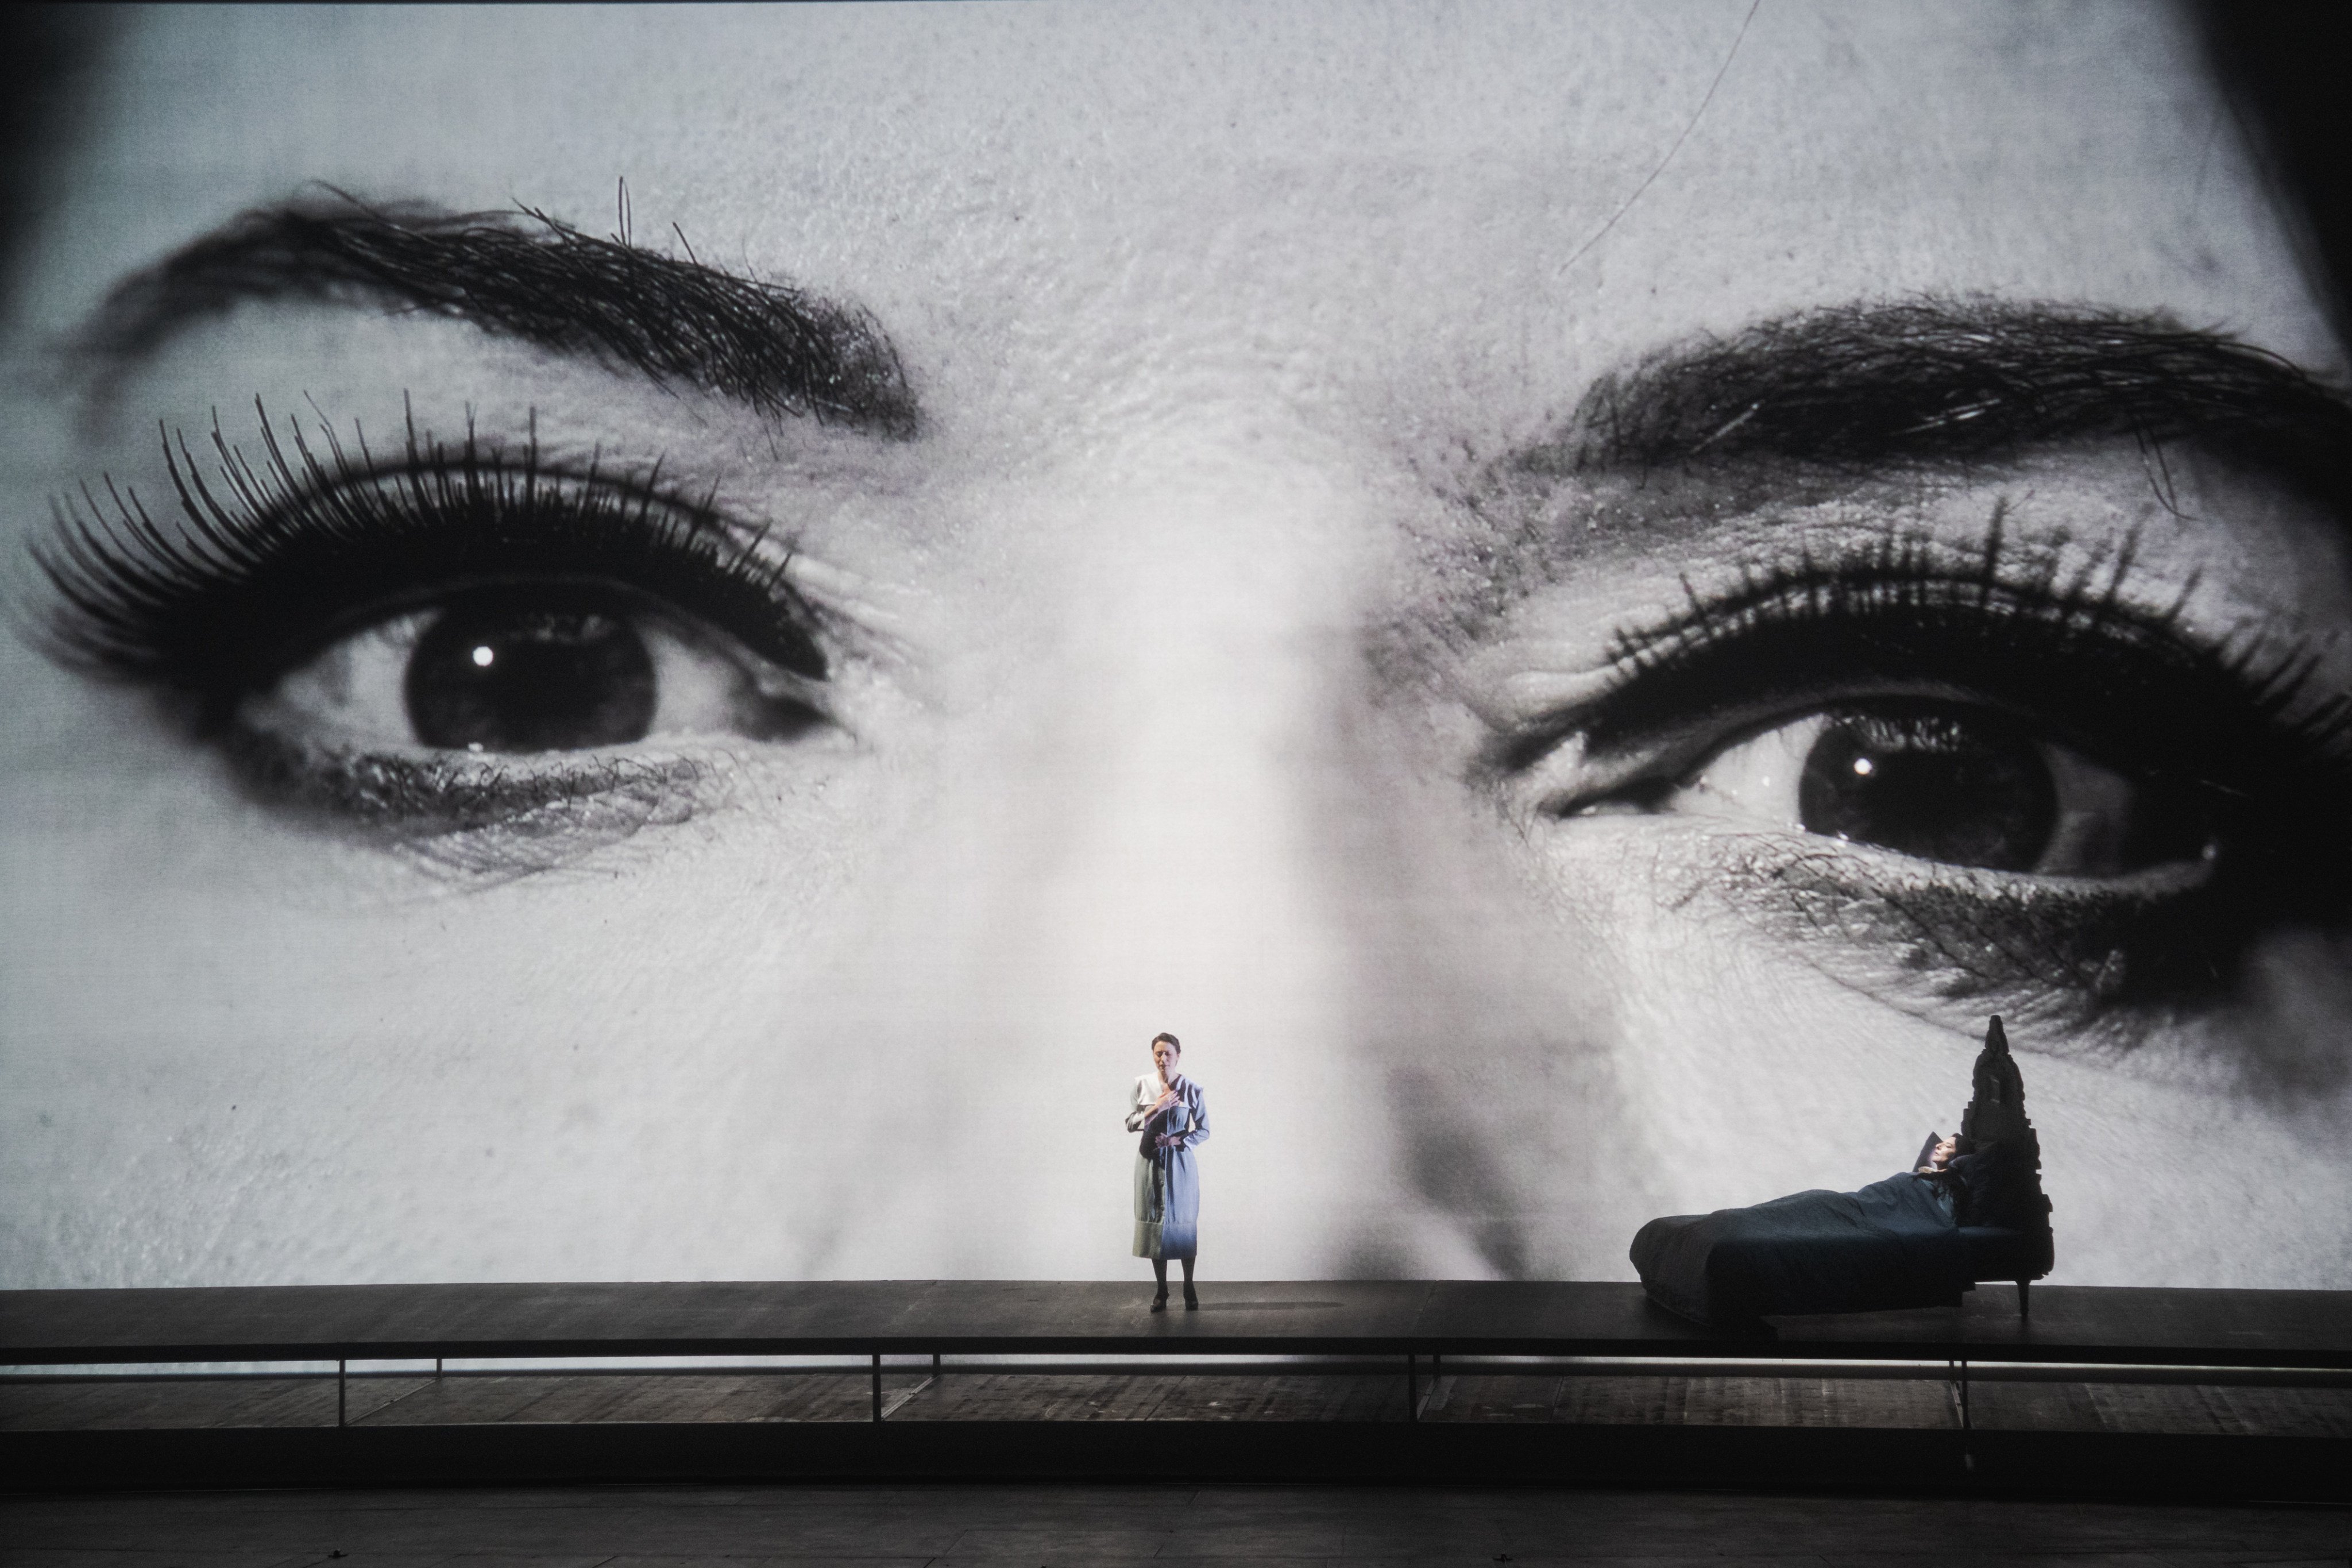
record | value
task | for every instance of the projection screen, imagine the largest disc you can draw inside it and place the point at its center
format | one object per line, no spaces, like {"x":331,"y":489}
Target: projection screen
{"x":652,"y":644}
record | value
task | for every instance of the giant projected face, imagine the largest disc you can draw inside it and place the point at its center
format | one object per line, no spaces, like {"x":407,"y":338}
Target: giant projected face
{"x":1572,"y":595}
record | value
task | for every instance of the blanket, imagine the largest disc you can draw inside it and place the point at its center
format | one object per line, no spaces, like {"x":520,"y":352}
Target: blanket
{"x":1893,"y":1244}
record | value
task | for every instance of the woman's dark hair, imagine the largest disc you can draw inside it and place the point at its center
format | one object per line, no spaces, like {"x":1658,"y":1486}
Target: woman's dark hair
{"x":1173,"y":1043}
{"x":46,"y":54}
{"x":2282,"y":63}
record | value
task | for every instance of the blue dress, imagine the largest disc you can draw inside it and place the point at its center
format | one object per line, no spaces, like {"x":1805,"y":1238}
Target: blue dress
{"x":1167,"y":1187}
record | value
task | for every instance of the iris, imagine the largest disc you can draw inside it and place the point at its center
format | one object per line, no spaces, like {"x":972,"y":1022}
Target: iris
{"x":1964,"y":790}
{"x":505,"y":673}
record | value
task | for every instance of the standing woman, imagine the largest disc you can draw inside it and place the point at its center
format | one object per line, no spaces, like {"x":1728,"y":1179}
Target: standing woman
{"x":1167,"y":1108}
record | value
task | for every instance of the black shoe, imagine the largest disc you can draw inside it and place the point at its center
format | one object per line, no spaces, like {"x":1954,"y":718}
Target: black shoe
{"x":1160,"y":1302}
{"x":1191,"y":1302}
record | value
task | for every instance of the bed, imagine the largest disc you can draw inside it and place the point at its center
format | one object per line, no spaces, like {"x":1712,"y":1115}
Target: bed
{"x":1906,"y":1241}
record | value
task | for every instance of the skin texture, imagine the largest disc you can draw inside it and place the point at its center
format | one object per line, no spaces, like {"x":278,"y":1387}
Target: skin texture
{"x":1163,"y":708}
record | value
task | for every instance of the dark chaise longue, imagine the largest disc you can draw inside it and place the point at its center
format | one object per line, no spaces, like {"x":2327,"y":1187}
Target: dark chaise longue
{"x":1891,"y":1245}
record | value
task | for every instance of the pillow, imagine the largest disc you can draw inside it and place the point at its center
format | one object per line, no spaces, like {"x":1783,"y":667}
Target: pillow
{"x":1927,"y":1150}
{"x":1998,"y":1187}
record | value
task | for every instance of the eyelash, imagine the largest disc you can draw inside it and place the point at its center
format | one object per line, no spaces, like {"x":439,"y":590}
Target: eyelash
{"x":204,"y":610}
{"x":1894,"y":611}
{"x":2242,"y":725}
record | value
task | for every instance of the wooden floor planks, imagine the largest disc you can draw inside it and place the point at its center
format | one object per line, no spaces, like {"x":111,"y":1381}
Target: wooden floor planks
{"x":744,"y":1318}
{"x":93,"y":1403}
{"x":1234,"y":1526}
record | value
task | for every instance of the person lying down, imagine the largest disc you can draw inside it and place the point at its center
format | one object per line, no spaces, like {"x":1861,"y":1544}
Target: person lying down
{"x":1918,"y":1238}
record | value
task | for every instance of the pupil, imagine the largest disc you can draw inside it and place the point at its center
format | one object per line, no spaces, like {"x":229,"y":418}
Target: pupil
{"x":1926,"y":781}
{"x":509,"y":673}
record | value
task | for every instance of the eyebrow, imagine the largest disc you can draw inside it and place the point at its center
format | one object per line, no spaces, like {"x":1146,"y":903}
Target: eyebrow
{"x":1938,"y":382}
{"x":527,"y":276}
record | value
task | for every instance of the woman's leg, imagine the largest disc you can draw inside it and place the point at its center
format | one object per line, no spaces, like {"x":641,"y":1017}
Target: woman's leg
{"x":1190,"y":1300}
{"x":1159,"y":1272}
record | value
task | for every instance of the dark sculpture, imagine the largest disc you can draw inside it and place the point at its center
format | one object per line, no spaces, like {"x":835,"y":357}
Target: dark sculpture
{"x":1995,"y":1129}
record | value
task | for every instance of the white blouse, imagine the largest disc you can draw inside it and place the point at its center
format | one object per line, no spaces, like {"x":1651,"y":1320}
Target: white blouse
{"x":1145,"y":1096}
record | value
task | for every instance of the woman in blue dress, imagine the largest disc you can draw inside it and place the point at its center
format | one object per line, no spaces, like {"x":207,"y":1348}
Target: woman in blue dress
{"x":1167,"y":1108}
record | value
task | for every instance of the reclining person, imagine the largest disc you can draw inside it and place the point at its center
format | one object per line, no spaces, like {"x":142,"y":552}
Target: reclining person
{"x":1903,"y":1241}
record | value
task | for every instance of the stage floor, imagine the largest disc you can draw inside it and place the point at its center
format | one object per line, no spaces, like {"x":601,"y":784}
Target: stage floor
{"x":1243,"y":1526}
{"x":2149,"y":1393}
{"x":1646,"y":1397}
{"x":2069,"y":1323}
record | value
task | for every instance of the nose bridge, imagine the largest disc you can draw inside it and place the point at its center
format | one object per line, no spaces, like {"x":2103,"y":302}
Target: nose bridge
{"x":1210,"y":650}
{"x":1167,"y":873}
